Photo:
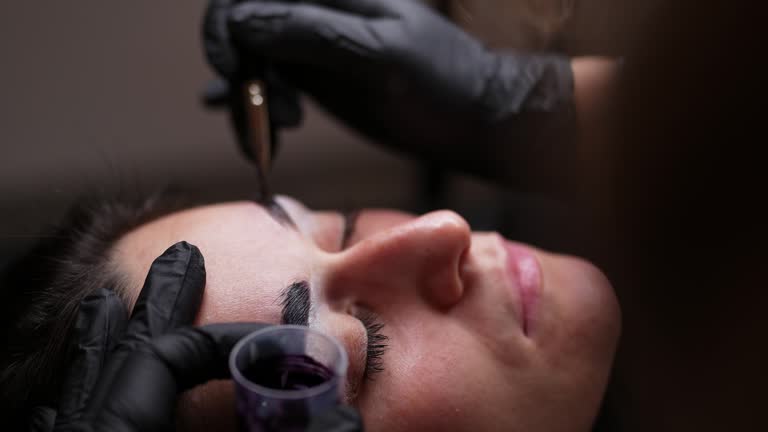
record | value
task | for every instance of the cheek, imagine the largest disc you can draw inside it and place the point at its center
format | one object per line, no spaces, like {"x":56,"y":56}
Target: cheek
{"x":585,"y":321}
{"x":431,"y":382}
{"x":423,"y":395}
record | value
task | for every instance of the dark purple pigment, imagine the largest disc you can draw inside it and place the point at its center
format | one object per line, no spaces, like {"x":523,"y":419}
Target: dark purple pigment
{"x":290,"y":372}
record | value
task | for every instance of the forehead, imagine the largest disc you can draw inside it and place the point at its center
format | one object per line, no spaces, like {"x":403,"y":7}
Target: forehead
{"x":249,"y":258}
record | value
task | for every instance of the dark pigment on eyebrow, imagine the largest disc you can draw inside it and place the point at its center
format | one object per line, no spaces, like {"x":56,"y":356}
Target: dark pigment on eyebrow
{"x":279,"y":211}
{"x":289,"y":372}
{"x":295,"y":302}
{"x":276,"y":211}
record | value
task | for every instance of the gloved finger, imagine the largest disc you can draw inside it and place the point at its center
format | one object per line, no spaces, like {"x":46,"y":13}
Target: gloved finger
{"x":285,"y":109}
{"x":153,"y":375}
{"x":100,"y":322}
{"x":171,"y":295}
{"x":341,"y":419}
{"x":42,"y":419}
{"x":216,"y":94}
{"x":198,"y":354}
{"x":368,"y":8}
{"x":361,"y":103}
{"x":216,"y":41}
{"x":283,"y":101}
{"x":306,"y":34}
{"x":170,"y":298}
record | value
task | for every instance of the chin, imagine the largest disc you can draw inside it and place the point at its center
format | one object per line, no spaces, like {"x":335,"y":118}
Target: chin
{"x":586,"y":323}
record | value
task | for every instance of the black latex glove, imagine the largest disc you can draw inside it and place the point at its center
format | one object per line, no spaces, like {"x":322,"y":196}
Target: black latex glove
{"x":283,"y":102}
{"x":406,"y":77}
{"x":135,"y":386}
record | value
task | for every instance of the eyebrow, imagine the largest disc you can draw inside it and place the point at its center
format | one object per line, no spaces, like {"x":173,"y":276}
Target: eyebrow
{"x":295,"y":297}
{"x":278,"y":213}
{"x":296,"y":304}
{"x":275,"y":210}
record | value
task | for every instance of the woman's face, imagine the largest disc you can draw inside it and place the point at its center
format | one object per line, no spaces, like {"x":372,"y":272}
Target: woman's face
{"x":482,"y":333}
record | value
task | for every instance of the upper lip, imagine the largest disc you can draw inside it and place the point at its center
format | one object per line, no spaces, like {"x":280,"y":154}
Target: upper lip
{"x":516,"y":275}
{"x":526,"y":274}
{"x":496,"y":271}
{"x":515,"y":287}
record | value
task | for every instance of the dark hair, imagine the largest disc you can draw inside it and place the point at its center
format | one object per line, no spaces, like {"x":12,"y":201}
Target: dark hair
{"x":42,"y":290}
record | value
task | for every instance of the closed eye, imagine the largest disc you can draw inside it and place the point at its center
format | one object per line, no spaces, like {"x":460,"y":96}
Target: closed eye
{"x":350,"y":222}
{"x":377,"y":343}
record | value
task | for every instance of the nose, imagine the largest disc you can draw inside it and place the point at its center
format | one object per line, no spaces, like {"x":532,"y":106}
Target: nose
{"x":420,"y":258}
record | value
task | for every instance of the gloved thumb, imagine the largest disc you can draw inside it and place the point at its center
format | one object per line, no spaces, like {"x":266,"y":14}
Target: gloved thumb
{"x":143,"y":392}
{"x":215,"y":94}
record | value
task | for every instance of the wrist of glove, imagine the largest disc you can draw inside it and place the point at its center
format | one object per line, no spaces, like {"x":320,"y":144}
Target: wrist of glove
{"x":126,"y":374}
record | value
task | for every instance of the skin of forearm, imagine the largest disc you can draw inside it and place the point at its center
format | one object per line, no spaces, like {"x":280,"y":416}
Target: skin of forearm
{"x":593,"y":81}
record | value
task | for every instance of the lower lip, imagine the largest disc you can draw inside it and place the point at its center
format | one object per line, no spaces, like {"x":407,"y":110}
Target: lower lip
{"x":525,"y":271}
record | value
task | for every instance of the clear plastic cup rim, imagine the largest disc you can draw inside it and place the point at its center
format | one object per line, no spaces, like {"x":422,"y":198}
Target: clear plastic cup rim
{"x":286,"y":394}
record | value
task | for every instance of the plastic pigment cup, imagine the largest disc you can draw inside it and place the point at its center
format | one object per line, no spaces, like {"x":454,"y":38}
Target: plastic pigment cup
{"x":286,"y":375}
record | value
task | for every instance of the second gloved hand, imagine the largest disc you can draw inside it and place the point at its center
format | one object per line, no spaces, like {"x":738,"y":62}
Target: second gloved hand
{"x":135,"y":386}
{"x":394,"y":70}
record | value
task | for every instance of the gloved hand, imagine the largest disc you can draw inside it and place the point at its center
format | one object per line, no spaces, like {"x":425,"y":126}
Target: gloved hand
{"x":135,"y":386}
{"x":283,"y":102}
{"x":403,"y":75}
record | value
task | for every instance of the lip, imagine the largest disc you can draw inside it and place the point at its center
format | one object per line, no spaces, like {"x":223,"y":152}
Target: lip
{"x":524,"y":271}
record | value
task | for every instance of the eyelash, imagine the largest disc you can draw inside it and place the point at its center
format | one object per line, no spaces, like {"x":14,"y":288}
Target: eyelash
{"x":377,"y":343}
